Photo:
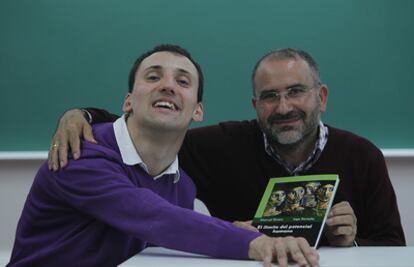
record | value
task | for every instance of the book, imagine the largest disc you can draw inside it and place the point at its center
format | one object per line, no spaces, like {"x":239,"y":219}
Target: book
{"x":296,"y":206}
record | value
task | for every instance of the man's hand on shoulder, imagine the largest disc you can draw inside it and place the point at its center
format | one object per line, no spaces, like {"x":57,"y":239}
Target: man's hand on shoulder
{"x":341,"y":225}
{"x":72,"y":126}
{"x":281,"y":249}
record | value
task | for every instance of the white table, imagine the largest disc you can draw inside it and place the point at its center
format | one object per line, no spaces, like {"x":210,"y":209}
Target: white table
{"x":332,"y":257}
{"x":4,"y":257}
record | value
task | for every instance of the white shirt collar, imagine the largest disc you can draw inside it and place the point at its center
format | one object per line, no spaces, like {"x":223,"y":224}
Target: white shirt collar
{"x":129,"y":154}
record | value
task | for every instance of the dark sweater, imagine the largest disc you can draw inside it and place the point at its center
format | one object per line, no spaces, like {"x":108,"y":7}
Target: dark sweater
{"x":230,"y":168}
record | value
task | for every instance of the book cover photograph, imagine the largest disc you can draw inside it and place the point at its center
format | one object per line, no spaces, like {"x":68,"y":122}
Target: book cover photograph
{"x":296,"y":206}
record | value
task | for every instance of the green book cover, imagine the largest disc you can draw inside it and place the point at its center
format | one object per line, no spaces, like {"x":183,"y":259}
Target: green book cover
{"x":296,"y":206}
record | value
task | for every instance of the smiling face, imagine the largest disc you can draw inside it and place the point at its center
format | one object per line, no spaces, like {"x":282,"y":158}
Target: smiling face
{"x":288,"y":120}
{"x":164,"y":95}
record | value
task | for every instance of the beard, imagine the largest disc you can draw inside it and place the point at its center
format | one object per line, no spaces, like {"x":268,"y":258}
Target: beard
{"x":290,"y":135}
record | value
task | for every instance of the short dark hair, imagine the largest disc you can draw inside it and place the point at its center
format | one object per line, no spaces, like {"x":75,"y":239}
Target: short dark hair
{"x":289,"y":53}
{"x":175,"y":49}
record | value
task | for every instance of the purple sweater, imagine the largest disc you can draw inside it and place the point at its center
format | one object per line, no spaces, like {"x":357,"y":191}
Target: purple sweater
{"x":100,"y":212}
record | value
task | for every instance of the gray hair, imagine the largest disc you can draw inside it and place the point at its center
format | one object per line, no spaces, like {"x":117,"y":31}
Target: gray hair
{"x":289,"y":53}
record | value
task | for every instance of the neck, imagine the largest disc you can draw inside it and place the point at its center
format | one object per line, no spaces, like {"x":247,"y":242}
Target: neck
{"x":157,"y":148}
{"x":295,"y":154}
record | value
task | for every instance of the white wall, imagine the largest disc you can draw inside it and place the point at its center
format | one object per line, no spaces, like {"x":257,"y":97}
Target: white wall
{"x":16,"y":176}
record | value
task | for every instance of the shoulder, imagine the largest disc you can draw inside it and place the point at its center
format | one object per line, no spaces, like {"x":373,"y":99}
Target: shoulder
{"x":224,"y":129}
{"x":104,"y":133}
{"x":221,"y":138}
{"x":186,"y":181}
{"x":104,"y":153}
{"x":106,"y":147}
{"x":356,"y":145}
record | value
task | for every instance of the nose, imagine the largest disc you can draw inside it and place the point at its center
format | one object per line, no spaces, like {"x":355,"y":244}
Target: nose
{"x":283,"y":106}
{"x":168,"y":85}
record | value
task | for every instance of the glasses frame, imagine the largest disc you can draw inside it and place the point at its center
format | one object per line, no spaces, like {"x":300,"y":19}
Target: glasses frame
{"x":295,"y":92}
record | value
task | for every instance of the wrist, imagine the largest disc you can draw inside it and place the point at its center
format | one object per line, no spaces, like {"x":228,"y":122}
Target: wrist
{"x":87,"y":115}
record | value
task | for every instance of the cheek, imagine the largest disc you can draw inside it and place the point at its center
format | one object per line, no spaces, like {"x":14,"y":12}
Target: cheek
{"x":315,"y":104}
{"x":308,"y":108}
{"x":263,"y":111}
{"x":188,"y":95}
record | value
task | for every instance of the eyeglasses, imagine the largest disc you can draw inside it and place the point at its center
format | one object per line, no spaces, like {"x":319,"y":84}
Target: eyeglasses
{"x":292,"y":93}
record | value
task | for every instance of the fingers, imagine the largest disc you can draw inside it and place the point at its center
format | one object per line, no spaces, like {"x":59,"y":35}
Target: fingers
{"x":341,"y":214}
{"x":53,"y":158}
{"x":310,"y":254}
{"x":297,"y":254}
{"x":72,"y":125}
{"x":295,"y":248}
{"x":281,"y":249}
{"x":261,"y":248}
{"x":58,"y":152}
{"x":87,"y":133}
{"x":74,"y":139}
{"x":298,"y":249}
{"x":267,"y":256}
{"x":281,"y":253}
{"x":342,"y":230}
{"x":61,"y":159}
{"x":341,"y":208}
{"x":341,"y":220}
{"x":74,"y":144}
{"x":63,"y":154}
{"x":341,"y":225}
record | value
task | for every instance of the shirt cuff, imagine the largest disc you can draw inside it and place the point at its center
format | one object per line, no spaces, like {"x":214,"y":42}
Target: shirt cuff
{"x":87,"y":115}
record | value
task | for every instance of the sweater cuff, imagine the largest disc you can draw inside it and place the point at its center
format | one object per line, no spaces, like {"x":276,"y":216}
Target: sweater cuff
{"x":87,"y":115}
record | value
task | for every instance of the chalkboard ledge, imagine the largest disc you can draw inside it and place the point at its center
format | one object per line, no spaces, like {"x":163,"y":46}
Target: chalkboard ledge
{"x":23,"y":155}
{"x":42,"y":155}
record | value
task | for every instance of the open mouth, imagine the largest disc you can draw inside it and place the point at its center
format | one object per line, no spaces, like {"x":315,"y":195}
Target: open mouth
{"x":165,"y":105}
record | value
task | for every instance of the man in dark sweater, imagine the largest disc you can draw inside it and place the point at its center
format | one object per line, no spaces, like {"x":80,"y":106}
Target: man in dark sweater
{"x":231,"y":162}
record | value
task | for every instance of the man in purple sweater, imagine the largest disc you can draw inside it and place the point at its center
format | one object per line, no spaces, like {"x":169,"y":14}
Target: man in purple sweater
{"x":127,"y":192}
{"x":232,"y":162}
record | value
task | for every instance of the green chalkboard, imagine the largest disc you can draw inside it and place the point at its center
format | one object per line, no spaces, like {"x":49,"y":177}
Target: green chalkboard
{"x":59,"y":54}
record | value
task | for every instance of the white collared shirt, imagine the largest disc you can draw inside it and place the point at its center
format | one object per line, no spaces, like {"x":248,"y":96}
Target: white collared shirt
{"x":130,"y":155}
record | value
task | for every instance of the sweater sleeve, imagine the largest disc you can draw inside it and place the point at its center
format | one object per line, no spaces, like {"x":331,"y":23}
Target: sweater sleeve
{"x":102,"y":189}
{"x":101,"y":115}
{"x":381,"y":224}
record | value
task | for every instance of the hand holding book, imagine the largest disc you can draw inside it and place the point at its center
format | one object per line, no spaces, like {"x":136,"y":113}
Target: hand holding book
{"x":298,"y":206}
{"x":341,"y":225}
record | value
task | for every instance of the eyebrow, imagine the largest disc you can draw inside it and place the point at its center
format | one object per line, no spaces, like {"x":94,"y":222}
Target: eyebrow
{"x":295,"y":85}
{"x":277,"y":90}
{"x":158,"y":67}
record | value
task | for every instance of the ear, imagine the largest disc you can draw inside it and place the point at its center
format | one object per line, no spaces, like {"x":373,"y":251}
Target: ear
{"x":254,"y":102}
{"x":127,"y":107}
{"x":323,"y":96}
{"x":198,"y":113}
